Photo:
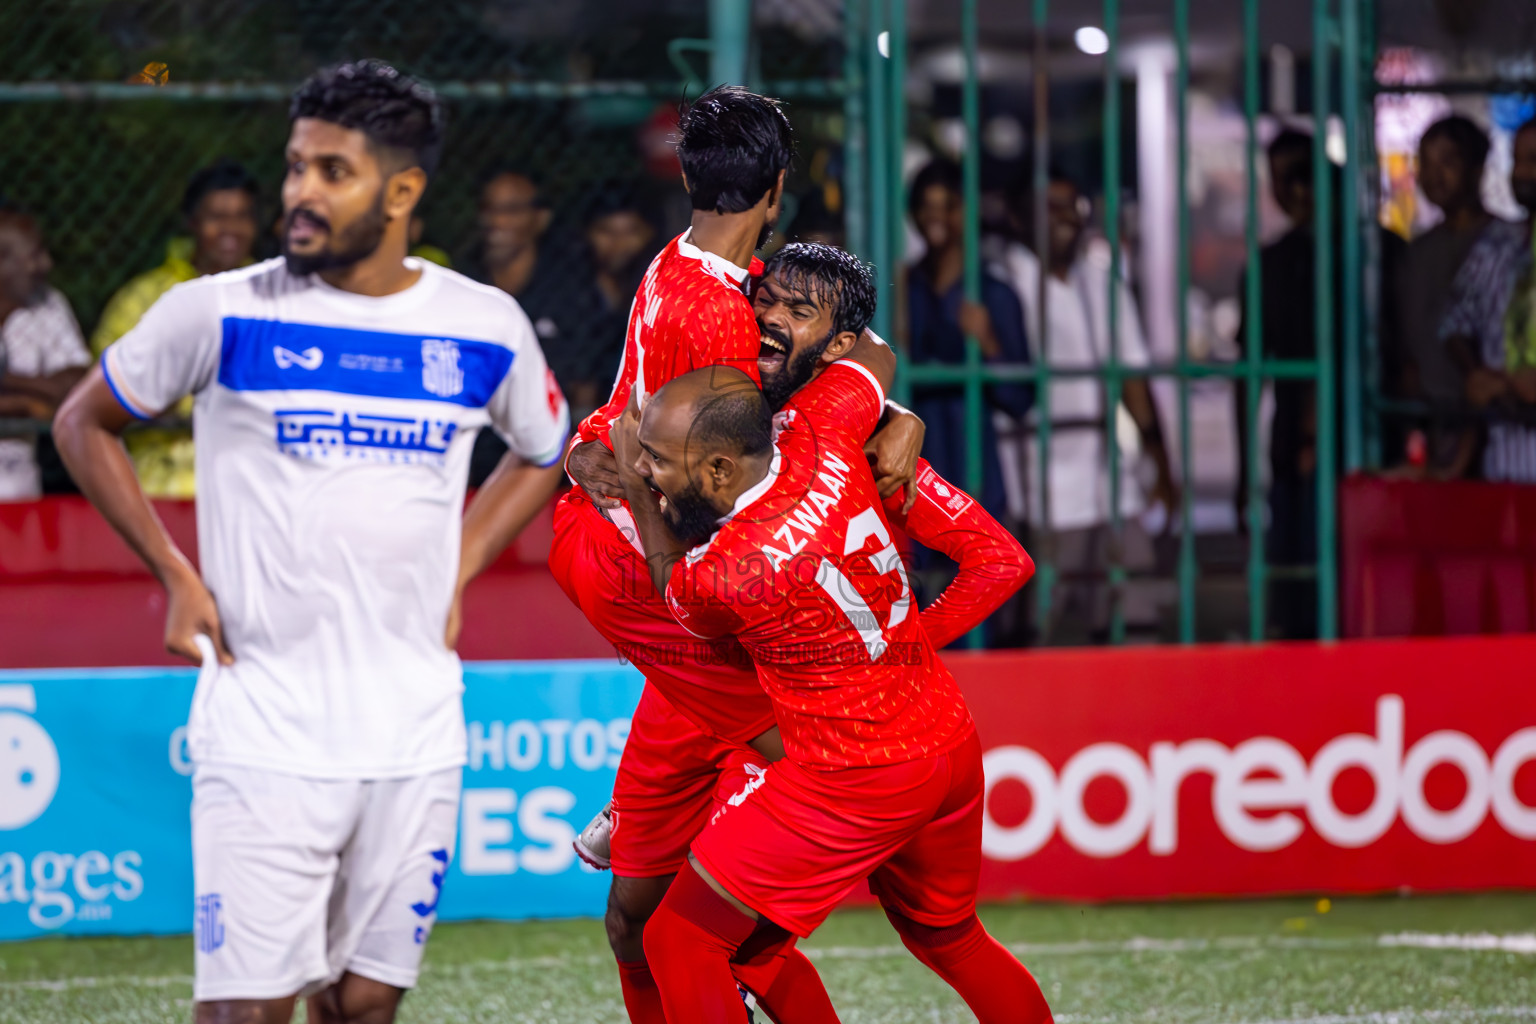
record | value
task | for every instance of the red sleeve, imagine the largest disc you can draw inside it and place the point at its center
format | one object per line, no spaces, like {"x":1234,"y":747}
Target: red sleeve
{"x":844,"y":398}
{"x":993,"y":564}
{"x":696,"y":596}
{"x":719,"y":328}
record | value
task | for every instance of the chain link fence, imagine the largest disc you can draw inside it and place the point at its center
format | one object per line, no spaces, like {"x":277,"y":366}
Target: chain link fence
{"x":580,"y":96}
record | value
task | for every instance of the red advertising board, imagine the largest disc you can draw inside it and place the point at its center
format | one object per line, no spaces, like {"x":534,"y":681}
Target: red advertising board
{"x":1352,"y":767}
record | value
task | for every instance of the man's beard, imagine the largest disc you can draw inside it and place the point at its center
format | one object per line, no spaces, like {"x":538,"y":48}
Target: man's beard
{"x":764,"y":236}
{"x":354,"y":243}
{"x":690,"y":517}
{"x":797,"y":371}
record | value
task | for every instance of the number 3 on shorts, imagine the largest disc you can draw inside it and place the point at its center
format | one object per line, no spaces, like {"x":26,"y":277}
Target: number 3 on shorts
{"x":860,"y":528}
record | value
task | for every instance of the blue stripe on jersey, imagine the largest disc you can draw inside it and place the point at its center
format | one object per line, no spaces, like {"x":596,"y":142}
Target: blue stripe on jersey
{"x":117,"y":393}
{"x":278,"y":355}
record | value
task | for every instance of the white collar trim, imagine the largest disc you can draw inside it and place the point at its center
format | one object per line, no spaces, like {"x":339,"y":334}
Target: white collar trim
{"x":754,"y":493}
{"x":713,"y":262}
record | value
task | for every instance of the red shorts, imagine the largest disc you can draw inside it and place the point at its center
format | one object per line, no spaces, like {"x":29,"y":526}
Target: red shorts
{"x":672,"y":779}
{"x":713,"y":683}
{"x":799,"y":839}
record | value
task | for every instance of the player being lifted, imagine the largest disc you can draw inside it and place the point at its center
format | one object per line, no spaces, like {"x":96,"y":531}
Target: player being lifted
{"x":882,"y":776}
{"x":702,"y":704}
{"x":338,"y":392}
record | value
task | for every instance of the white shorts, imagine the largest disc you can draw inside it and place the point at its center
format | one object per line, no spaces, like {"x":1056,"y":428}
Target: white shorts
{"x":300,"y":880}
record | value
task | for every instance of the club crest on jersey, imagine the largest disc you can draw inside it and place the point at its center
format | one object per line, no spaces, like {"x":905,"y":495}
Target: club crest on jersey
{"x":440,"y":370}
{"x":309,"y":359}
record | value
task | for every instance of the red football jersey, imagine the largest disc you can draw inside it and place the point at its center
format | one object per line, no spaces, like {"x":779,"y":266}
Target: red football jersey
{"x":690,"y":311}
{"x":992,"y":563}
{"x":805,"y":573}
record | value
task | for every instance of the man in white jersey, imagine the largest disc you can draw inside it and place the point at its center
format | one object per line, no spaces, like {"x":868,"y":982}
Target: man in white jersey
{"x":338,"y":393}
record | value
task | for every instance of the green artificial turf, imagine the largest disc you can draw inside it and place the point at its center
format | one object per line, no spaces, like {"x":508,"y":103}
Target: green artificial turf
{"x":1365,"y":961}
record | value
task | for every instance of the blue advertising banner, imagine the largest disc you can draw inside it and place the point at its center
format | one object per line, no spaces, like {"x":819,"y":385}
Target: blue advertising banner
{"x":95,"y":791}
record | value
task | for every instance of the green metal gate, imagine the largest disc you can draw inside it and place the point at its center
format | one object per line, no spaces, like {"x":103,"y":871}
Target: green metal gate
{"x":875,"y":102}
{"x":103,"y":162}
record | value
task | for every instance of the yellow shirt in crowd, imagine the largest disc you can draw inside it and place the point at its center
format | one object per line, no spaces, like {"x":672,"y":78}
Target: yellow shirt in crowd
{"x":162,"y":455}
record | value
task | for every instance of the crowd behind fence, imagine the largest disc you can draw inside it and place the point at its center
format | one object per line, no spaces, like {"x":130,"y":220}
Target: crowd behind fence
{"x":1031,"y":371}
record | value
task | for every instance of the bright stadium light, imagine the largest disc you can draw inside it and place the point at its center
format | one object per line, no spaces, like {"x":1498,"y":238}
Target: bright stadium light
{"x":1091,"y":40}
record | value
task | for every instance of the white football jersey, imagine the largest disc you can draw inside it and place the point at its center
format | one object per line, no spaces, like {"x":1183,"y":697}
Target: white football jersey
{"x":333,"y":435}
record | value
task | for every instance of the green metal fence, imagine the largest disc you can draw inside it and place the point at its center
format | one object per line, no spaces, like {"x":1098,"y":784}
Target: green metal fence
{"x":1340,"y":48}
{"x":530,"y":86}
{"x":103,"y":164}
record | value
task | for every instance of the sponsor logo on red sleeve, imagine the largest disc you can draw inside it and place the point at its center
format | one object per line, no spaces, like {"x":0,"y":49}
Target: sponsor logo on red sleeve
{"x":953,"y":502}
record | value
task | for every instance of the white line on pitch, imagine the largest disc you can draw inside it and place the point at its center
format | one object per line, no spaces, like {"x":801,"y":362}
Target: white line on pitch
{"x":1481,"y":941}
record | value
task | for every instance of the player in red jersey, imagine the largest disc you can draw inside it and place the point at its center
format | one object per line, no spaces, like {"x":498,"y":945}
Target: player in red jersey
{"x":882,"y":777}
{"x":810,"y":294}
{"x":702,"y":705}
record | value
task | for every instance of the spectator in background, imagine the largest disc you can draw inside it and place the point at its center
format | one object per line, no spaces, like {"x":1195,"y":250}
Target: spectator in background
{"x":1288,"y":293}
{"x":220,"y":214}
{"x":1488,"y":326}
{"x":513,"y":256}
{"x":42,"y":353}
{"x":940,"y":318}
{"x":620,"y":244}
{"x":1077,"y":307}
{"x":1288,"y":296}
{"x":1452,"y":153}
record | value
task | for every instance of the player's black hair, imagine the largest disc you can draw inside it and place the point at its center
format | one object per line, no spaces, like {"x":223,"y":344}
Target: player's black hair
{"x":943,"y":172}
{"x":222,"y":175}
{"x":829,"y":275}
{"x":732,"y":144}
{"x":738,"y":416}
{"x":398,"y":114}
{"x":1463,"y":133}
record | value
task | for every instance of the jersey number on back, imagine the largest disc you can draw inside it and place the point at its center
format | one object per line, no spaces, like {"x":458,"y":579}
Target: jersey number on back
{"x":842,"y":591}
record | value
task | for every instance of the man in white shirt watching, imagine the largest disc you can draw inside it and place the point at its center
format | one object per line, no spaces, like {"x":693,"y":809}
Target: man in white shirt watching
{"x":42,"y":354}
{"x":1077,"y":306}
{"x":338,"y":391}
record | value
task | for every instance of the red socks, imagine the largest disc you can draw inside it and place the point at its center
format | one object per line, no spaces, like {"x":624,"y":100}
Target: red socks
{"x":782,"y":979}
{"x":997,"y":988}
{"x":641,"y":999}
{"x":689,"y":943}
{"x":701,"y":946}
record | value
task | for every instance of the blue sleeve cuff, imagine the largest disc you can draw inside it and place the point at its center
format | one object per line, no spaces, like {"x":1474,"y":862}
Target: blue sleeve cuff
{"x":118,"y":393}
